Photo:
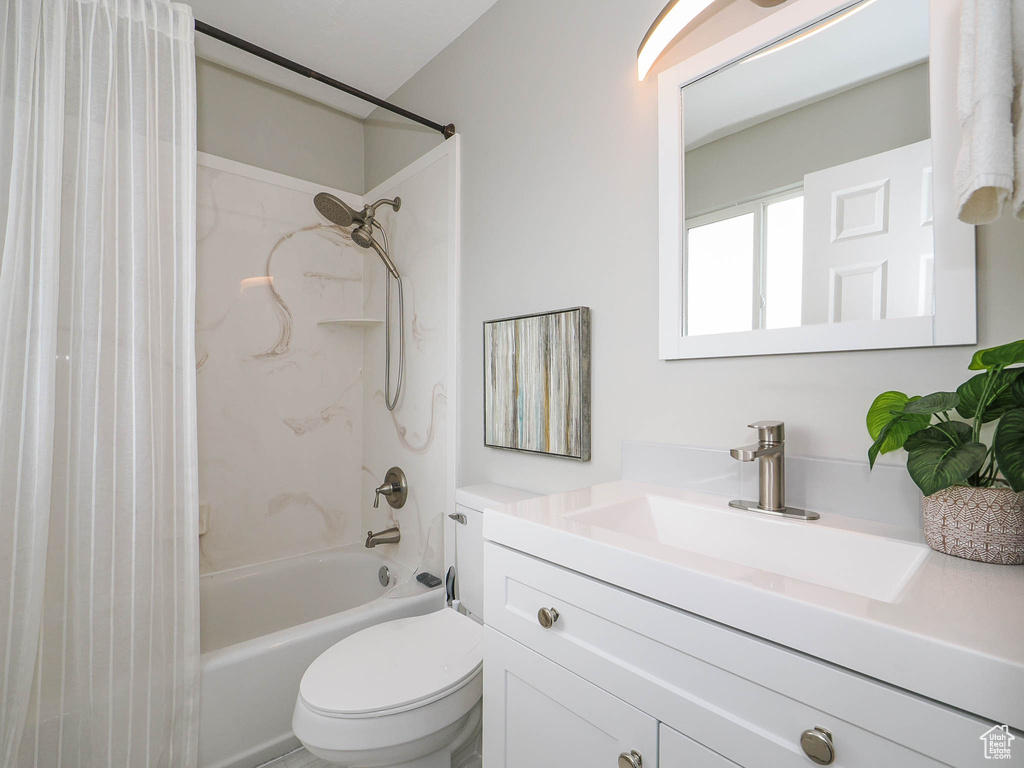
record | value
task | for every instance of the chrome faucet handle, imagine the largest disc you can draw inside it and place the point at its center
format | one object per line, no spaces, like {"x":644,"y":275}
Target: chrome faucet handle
{"x":394,"y":489}
{"x":385,"y":488}
{"x":769,"y":431}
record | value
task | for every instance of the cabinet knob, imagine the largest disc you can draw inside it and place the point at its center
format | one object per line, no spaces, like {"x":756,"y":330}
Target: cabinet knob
{"x":547,"y":617}
{"x":817,"y":745}
{"x":631,"y":759}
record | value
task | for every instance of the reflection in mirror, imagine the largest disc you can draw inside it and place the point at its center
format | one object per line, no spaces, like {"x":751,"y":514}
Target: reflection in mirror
{"x":808,"y":178}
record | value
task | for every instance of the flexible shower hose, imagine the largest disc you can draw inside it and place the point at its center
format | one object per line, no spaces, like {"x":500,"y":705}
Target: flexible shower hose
{"x":390,"y":401}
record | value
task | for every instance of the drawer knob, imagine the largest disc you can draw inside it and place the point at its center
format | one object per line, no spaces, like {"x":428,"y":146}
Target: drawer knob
{"x":631,"y":759}
{"x":817,"y":745}
{"x":547,"y":617}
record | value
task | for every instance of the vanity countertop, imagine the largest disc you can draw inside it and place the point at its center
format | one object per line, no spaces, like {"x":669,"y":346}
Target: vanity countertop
{"x":954,"y":631}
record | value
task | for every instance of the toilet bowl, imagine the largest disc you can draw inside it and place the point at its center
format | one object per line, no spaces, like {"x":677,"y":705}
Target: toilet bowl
{"x":404,"y":693}
{"x":407,"y":693}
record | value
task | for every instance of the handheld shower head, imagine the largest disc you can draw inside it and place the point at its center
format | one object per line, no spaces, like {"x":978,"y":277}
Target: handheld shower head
{"x":337,"y":211}
{"x":363,"y":236}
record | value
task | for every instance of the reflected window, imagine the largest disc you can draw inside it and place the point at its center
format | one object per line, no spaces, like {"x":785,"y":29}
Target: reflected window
{"x":784,"y":248}
{"x":719,"y":264}
{"x":744,"y":265}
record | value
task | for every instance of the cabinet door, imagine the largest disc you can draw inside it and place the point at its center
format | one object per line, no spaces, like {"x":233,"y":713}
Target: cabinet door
{"x":678,"y":751}
{"x":539,"y":715}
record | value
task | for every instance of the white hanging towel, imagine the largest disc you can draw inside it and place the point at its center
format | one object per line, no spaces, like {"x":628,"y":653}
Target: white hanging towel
{"x":986,"y":166}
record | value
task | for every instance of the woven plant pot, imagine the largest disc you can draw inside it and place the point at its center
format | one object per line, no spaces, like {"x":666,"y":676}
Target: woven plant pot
{"x":984,"y":524}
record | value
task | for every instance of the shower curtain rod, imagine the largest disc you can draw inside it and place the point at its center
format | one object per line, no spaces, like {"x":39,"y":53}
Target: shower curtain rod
{"x":225,"y":37}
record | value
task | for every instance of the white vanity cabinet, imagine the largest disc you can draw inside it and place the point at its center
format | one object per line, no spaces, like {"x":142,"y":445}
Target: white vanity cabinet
{"x":680,"y":751}
{"x":614,"y":667}
{"x":540,"y":715}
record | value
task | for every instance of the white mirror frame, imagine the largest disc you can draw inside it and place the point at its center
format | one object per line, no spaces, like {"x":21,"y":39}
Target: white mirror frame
{"x":955,"y":318}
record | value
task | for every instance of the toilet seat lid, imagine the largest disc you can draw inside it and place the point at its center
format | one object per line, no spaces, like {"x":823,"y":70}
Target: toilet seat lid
{"x":394,"y":665}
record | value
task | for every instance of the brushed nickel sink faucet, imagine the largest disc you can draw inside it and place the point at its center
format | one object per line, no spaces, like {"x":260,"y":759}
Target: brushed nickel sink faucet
{"x":770,"y":452}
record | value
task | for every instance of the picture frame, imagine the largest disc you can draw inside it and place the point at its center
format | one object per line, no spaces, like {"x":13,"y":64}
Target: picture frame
{"x":537,"y":383}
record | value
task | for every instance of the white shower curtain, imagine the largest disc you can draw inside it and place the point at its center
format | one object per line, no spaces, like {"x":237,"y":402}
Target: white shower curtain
{"x":98,"y":470}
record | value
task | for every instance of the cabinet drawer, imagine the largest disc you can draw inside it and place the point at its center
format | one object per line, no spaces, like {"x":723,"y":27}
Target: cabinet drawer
{"x":678,"y":751}
{"x":744,"y":698}
{"x":539,"y":715}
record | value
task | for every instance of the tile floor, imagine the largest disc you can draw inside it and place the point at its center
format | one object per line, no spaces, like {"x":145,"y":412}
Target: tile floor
{"x":300,"y":758}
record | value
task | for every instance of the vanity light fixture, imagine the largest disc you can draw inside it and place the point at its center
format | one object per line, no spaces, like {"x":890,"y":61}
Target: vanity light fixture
{"x":814,"y":30}
{"x":672,"y":20}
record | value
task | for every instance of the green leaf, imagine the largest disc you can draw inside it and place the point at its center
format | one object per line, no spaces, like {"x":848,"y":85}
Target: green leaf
{"x":939,"y":402}
{"x":879,"y":442}
{"x":1018,"y":390}
{"x":998,"y":357}
{"x":881,"y":411}
{"x":941,"y":456}
{"x":889,"y":426}
{"x":946,"y":433}
{"x":1000,"y":399}
{"x":1008,"y":446}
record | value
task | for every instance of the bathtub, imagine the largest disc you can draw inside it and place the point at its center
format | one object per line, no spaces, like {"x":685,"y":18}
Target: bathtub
{"x":262,"y":625}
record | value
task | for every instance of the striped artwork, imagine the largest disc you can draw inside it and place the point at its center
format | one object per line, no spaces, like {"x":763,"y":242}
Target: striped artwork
{"x":537,"y":383}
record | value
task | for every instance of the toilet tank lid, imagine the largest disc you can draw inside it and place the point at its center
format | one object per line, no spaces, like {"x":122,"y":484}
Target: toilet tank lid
{"x":481,"y":497}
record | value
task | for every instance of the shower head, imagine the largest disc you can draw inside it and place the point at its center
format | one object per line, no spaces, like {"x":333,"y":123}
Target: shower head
{"x":337,"y":211}
{"x":363,"y":236}
{"x":341,"y":213}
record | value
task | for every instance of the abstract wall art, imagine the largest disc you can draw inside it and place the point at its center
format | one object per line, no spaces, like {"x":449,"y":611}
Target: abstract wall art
{"x":537,"y":383}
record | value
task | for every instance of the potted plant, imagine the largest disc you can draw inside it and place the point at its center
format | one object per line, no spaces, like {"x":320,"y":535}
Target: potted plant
{"x":973,"y":504}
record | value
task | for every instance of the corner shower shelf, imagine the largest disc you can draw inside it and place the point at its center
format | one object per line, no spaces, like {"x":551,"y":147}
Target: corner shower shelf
{"x":352,"y":322}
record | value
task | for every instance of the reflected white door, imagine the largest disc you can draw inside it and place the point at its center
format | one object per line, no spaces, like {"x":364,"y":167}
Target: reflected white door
{"x":868,"y":238}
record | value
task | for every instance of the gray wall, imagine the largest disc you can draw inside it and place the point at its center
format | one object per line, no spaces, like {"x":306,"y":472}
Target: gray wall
{"x":259,"y":124}
{"x":560,"y":207}
{"x":780,"y":151}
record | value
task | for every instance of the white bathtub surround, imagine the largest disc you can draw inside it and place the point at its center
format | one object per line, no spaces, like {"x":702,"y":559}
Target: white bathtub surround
{"x":263,"y":626}
{"x":418,"y":435}
{"x":293,"y":431}
{"x":280,"y":398}
{"x":98,"y":502}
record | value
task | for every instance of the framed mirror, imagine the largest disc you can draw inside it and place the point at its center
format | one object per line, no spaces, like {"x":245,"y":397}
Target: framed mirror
{"x":806,"y":186}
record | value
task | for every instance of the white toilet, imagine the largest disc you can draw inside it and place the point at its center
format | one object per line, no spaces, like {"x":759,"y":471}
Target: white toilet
{"x":407,"y":693}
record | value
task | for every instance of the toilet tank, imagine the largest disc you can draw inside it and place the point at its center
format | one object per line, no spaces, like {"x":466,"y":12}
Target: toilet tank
{"x":467,"y":554}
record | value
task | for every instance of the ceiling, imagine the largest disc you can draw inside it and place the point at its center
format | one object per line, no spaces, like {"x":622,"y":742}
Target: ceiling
{"x":879,"y":38}
{"x":374,"y":45}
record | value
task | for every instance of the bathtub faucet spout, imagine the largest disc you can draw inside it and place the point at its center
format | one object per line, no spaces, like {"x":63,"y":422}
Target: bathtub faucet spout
{"x":387,"y":536}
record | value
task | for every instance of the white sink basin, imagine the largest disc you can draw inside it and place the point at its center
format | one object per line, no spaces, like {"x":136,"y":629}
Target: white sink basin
{"x":871,"y":566}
